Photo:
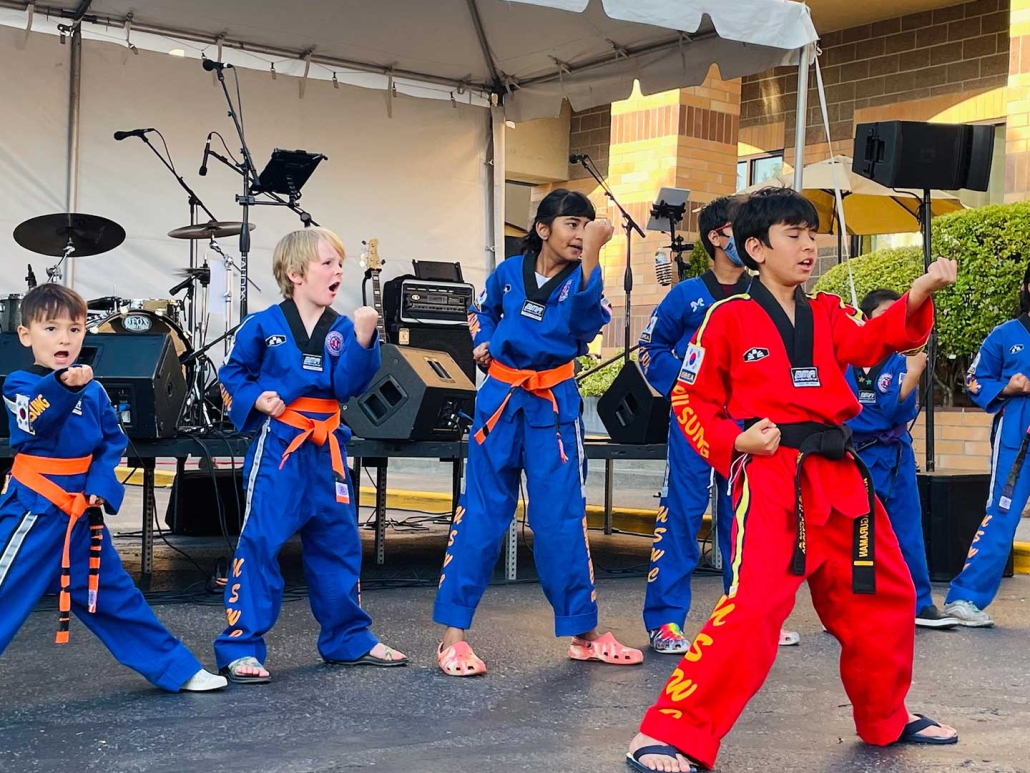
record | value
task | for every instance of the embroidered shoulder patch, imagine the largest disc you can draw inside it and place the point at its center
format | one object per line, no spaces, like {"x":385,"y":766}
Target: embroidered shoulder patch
{"x":692,"y":360}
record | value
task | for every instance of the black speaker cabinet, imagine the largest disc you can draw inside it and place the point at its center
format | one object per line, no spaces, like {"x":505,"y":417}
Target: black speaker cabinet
{"x":911,"y":154}
{"x":140,"y":372}
{"x":953,"y":507}
{"x":455,"y":340}
{"x":632,"y":410}
{"x":193,"y":504}
{"x":417,"y":394}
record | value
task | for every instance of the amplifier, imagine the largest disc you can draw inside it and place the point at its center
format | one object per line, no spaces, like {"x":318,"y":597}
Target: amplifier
{"x":139,"y":371}
{"x":435,"y":303}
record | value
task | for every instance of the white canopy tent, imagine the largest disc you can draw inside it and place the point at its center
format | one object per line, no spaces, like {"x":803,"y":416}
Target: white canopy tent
{"x":520,"y":58}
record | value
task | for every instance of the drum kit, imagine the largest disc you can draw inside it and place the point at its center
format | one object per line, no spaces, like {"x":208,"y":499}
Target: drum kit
{"x":66,"y":236}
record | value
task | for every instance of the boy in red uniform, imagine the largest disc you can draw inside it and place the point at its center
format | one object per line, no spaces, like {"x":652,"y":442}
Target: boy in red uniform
{"x":775,"y":359}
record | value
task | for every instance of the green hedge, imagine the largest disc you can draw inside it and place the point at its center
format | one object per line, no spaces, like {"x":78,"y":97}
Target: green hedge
{"x":992,"y":247}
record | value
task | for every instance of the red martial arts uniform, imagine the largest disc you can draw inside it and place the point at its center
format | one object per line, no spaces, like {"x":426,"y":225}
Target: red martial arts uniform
{"x":797,"y":516}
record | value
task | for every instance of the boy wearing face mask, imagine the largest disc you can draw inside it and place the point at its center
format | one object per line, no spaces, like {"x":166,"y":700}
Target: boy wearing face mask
{"x":688,"y":477}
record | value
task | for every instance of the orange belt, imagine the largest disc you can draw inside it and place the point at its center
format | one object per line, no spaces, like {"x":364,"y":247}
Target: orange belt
{"x":31,"y":471}
{"x":536,"y":382}
{"x":319,"y":431}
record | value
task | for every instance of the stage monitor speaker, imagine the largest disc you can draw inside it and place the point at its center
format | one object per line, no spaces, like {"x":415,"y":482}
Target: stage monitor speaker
{"x":417,"y":394}
{"x":632,"y":410}
{"x":911,"y":154}
{"x":953,"y":508}
{"x":453,"y":340}
{"x":139,"y":371}
{"x":193,"y":504}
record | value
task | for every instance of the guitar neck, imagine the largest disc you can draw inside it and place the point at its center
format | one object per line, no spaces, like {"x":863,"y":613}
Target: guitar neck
{"x":377,"y":303}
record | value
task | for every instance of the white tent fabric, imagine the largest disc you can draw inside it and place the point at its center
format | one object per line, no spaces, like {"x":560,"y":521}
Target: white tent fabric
{"x":533,"y":52}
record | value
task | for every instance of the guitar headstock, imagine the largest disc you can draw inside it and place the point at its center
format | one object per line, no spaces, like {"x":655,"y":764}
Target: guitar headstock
{"x":371,"y":260}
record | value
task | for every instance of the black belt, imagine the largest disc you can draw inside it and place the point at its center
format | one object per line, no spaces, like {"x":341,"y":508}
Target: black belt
{"x":833,"y":442}
{"x":1007,"y":491}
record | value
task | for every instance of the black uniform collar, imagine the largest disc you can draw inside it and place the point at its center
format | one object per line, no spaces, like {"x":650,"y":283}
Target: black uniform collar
{"x":799,"y":338}
{"x":39,"y":370}
{"x":1024,"y":320}
{"x":316,"y":343}
{"x":542,"y":294}
{"x":715,"y":286}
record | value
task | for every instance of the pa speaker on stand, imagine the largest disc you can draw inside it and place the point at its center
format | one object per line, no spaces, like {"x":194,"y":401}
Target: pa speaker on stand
{"x":633,"y":411}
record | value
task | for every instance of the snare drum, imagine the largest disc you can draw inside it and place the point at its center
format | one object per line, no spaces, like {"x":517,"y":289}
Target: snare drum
{"x":10,"y":312}
{"x":144,"y":321}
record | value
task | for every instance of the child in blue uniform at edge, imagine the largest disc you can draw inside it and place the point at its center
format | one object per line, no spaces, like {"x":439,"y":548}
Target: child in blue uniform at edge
{"x":688,"y":477}
{"x":887,"y":393}
{"x":68,"y":443}
{"x":998,"y":382}
{"x":290,"y":367}
{"x":537,"y":313}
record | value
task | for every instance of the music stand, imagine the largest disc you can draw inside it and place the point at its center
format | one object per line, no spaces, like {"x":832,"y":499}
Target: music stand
{"x":286,"y":172}
{"x":437,"y":271}
{"x":667,"y":211}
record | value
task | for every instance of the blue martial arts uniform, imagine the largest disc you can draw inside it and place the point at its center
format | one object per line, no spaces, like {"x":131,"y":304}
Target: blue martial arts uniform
{"x":685,"y":492}
{"x":48,"y":419}
{"x":880,"y":434}
{"x":1005,"y":352}
{"x":273,"y":352}
{"x":537,"y":328}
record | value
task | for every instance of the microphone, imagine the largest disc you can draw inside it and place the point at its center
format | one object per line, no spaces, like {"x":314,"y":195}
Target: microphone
{"x":211,"y":64}
{"x":578,"y":158}
{"x":207,"y":150}
{"x":30,"y":278}
{"x":119,"y":136}
{"x":663,"y":268}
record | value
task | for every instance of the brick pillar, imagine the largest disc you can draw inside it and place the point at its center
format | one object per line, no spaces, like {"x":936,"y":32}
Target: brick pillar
{"x":684,"y":139}
{"x":1017,"y":107}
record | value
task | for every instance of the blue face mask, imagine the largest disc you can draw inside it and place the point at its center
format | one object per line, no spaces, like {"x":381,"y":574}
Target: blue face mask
{"x":731,"y":252}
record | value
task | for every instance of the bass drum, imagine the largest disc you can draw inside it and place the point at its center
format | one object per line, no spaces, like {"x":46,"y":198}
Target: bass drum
{"x":145,"y":321}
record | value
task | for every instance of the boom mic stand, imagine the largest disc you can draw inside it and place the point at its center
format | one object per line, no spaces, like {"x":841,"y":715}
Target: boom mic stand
{"x":630,"y":225}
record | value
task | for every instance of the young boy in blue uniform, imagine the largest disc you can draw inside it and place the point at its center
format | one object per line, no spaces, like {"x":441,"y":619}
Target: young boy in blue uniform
{"x":290,"y":367}
{"x":68,"y":443}
{"x":538,"y":312}
{"x":997,"y":381}
{"x":688,"y":477}
{"x":887,"y":394}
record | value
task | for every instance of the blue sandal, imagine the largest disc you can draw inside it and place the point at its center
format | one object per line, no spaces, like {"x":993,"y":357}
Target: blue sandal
{"x":633,"y":760}
{"x":912,"y":730}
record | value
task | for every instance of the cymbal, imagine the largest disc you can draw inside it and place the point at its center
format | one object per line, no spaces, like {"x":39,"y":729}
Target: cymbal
{"x":87,"y":234}
{"x":212,"y":229}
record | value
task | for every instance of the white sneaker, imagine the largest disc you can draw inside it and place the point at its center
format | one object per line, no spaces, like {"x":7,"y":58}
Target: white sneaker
{"x":204,"y":681}
{"x":968,"y":614}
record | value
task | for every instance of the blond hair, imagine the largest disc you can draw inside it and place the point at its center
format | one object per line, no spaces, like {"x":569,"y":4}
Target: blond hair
{"x":295,"y":250}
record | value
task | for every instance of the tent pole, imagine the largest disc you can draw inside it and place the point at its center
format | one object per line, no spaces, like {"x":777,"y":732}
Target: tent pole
{"x":801,"y":118}
{"x":74,"y":113}
{"x":495,"y":243}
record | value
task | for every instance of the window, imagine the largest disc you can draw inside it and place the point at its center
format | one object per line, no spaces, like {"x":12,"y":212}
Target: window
{"x":758,"y":169}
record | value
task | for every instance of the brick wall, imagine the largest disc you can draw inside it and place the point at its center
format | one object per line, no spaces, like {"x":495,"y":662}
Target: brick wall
{"x":960,"y":50}
{"x":962,"y":439}
{"x":590,"y":133}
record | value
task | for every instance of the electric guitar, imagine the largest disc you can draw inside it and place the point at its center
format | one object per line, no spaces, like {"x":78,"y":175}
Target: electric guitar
{"x":373,"y":265}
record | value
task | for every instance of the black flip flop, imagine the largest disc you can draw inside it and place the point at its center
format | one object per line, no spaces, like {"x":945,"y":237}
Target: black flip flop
{"x":633,"y":760}
{"x":227,"y":672}
{"x":368,"y":659}
{"x":911,"y":733}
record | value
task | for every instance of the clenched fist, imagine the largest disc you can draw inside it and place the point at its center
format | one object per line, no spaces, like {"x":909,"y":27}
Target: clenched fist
{"x":365,"y":321}
{"x":941,"y":273}
{"x":761,"y":439}
{"x":481,"y":354}
{"x":77,"y":376}
{"x":1018,"y":385}
{"x":270,"y":403}
{"x":596,"y":234}
{"x":915,"y":363}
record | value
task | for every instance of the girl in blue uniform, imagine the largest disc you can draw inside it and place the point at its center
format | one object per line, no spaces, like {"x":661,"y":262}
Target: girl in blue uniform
{"x":998,"y":382}
{"x":887,"y":393}
{"x":537,"y":313}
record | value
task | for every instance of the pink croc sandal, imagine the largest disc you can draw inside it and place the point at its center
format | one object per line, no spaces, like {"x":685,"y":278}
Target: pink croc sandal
{"x":459,"y":660}
{"x":605,"y":649}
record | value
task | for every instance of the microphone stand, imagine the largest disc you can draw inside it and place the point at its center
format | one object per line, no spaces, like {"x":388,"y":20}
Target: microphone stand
{"x":246,"y":199}
{"x":630,"y":225}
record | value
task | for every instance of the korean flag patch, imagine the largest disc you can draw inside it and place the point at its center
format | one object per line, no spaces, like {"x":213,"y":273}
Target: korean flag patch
{"x":20,"y":408}
{"x":692,"y":360}
{"x":481,"y":299}
{"x":645,"y":335}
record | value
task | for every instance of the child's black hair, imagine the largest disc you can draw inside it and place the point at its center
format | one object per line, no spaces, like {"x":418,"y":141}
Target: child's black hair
{"x":560,"y":202}
{"x":51,"y":301}
{"x":1024,"y":294}
{"x":766,"y":208}
{"x":714,"y":215}
{"x":874,"y":298}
